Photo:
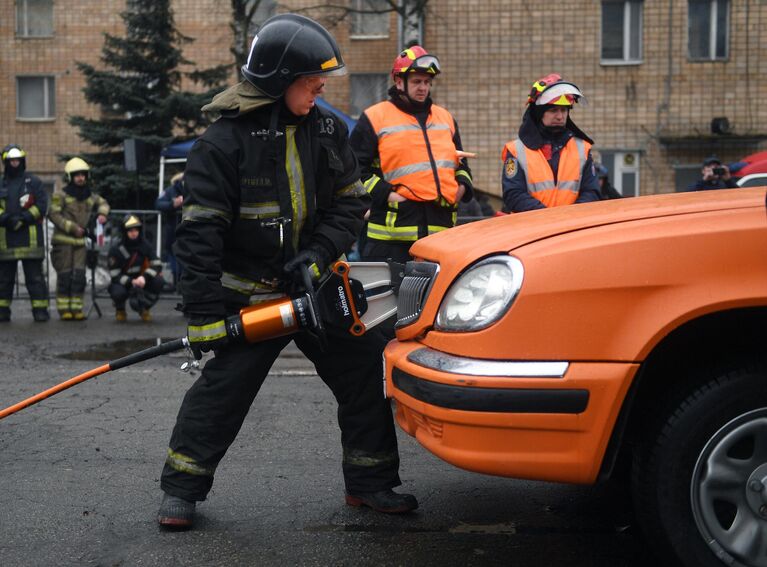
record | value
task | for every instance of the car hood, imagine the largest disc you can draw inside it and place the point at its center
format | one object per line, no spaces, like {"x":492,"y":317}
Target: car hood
{"x":462,"y":245}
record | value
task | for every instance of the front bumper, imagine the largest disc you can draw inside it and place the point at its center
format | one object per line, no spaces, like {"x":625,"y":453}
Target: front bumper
{"x":535,"y":420}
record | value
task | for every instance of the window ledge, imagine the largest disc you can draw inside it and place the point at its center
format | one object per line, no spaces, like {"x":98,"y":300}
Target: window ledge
{"x":368,"y":37}
{"x":51,"y":36}
{"x":25,"y":119}
{"x":620,"y":62}
{"x":707,"y":60}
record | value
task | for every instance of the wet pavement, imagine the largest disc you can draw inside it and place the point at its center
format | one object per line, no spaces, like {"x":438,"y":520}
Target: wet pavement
{"x":79,"y":474}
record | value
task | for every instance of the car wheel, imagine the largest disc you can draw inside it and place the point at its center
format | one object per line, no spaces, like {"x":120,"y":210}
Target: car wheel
{"x":699,"y":480}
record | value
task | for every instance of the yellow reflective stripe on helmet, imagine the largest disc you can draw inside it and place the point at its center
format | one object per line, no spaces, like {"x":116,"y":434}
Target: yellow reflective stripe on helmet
{"x":211,"y":332}
{"x":198,"y":213}
{"x":182,"y":463}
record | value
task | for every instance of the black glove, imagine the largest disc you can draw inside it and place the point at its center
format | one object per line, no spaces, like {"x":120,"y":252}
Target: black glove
{"x":206,"y":332}
{"x":316,"y":257}
{"x":88,"y":233}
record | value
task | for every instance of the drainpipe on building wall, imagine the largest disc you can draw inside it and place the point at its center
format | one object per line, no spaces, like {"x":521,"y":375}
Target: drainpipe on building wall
{"x":410,"y":22}
{"x":664,"y":106}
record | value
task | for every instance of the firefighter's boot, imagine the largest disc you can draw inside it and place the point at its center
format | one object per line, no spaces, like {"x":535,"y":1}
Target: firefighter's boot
{"x":386,"y":501}
{"x":121,"y":315}
{"x":145,"y":315}
{"x":40,"y":314}
{"x":175,"y":512}
{"x":78,"y":316}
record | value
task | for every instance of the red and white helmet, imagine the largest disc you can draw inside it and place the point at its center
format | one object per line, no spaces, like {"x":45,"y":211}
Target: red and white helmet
{"x":415,"y":59}
{"x":551,"y":89}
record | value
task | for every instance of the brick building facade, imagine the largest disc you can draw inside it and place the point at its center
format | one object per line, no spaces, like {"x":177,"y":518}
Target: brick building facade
{"x":656,"y":73}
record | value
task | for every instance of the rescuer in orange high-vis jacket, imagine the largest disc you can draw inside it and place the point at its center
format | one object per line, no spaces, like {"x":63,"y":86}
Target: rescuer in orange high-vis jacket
{"x":409,"y":150}
{"x":550,"y":164}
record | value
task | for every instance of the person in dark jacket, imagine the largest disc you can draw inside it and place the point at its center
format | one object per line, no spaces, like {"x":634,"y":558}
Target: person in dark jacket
{"x":135,"y":271}
{"x":714,"y":175}
{"x":273,"y":189}
{"x":412,"y":161}
{"x":23,"y":204}
{"x":606,"y":189}
{"x":549,"y":164}
{"x":169,"y":203}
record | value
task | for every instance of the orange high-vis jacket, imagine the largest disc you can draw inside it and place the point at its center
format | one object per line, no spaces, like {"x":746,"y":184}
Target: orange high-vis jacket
{"x":540,"y":177}
{"x":420,"y":165}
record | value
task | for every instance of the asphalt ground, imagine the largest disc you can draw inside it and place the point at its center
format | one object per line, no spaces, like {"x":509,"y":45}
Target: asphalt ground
{"x":79,"y":474}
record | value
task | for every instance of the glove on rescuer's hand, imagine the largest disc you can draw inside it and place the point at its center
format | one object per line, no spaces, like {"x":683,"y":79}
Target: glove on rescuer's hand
{"x":315,"y":257}
{"x":205,"y":333}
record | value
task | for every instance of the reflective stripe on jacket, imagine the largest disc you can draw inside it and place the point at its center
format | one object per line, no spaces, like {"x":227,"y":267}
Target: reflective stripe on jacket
{"x":420,"y":163}
{"x":541,"y":182}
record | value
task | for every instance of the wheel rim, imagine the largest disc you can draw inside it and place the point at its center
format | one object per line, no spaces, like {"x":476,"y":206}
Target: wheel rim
{"x":729,"y":491}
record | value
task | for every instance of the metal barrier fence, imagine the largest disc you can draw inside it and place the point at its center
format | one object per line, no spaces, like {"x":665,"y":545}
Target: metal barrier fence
{"x":152,"y":233}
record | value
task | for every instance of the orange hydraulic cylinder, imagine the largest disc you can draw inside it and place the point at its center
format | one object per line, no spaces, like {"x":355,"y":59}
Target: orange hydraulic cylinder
{"x":274,"y":318}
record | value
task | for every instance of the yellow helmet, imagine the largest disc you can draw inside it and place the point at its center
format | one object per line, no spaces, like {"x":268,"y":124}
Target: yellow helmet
{"x":131,"y":221}
{"x":76,"y":165}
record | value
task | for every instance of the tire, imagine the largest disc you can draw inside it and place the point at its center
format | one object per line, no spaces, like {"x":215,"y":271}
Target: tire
{"x":699,"y":479}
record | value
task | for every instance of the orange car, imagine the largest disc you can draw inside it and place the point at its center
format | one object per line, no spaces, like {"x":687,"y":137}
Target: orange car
{"x":553,"y":344}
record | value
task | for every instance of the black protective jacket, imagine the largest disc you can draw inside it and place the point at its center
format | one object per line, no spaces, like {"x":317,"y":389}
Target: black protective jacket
{"x":261,"y":186}
{"x":129,"y":259}
{"x":23,"y":205}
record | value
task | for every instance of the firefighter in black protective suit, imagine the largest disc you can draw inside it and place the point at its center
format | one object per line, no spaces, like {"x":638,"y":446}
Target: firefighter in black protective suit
{"x":135,"y":271}
{"x":272,"y":187}
{"x":23,"y":204}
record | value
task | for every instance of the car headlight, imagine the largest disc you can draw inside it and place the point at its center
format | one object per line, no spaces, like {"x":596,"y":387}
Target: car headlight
{"x":481,"y":295}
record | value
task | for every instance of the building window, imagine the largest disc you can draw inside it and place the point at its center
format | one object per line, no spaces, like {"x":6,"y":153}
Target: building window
{"x":370,"y":18}
{"x":623,"y":171}
{"x":366,"y":89}
{"x":707,"y":29}
{"x":34,"y":18}
{"x":35,"y":98}
{"x":621,"y":31}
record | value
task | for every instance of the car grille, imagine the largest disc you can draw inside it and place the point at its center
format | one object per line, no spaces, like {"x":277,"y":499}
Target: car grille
{"x":413,"y":291}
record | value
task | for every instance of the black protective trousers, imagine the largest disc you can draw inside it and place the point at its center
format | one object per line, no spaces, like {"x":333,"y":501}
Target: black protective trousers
{"x":215,"y":407}
{"x":33,"y":276}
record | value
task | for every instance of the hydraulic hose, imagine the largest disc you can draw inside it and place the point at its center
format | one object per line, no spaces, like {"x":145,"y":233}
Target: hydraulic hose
{"x":139,"y":356}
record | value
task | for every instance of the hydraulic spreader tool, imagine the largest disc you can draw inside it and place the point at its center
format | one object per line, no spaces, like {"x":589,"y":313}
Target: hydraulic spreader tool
{"x":356,"y":296}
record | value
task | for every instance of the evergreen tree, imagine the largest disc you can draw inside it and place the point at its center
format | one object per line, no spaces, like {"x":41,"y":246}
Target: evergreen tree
{"x":140,"y":97}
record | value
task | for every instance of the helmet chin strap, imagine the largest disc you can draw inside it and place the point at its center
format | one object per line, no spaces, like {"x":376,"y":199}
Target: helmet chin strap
{"x":412,"y":101}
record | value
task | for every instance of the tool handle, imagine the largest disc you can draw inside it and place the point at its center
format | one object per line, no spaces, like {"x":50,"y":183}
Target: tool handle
{"x":146,"y":354}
